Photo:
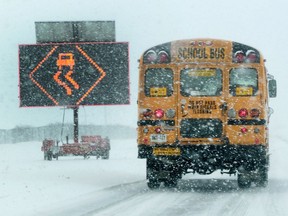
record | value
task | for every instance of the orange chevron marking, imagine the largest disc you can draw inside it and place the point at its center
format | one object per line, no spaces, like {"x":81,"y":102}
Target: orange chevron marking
{"x":36,"y":68}
{"x":71,"y":80}
{"x":102,"y":72}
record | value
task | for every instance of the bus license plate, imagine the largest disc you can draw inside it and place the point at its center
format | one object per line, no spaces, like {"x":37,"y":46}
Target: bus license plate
{"x":166,"y":151}
{"x":159,"y":138}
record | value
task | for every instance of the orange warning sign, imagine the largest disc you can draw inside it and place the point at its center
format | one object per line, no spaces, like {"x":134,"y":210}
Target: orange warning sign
{"x":73,"y":74}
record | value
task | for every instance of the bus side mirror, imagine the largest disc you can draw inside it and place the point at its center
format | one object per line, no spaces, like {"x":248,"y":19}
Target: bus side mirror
{"x":272,"y":87}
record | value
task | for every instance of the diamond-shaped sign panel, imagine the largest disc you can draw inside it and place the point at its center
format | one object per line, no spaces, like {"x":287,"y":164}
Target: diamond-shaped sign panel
{"x":74,"y":74}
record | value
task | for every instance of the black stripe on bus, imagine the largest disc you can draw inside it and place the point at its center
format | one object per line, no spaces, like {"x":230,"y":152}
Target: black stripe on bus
{"x":246,"y":121}
{"x":156,"y":122}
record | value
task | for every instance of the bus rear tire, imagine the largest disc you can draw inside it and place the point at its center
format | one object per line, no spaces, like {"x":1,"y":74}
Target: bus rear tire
{"x":262,"y":177}
{"x":170,"y":183}
{"x":244,"y":180}
{"x":153,"y":183}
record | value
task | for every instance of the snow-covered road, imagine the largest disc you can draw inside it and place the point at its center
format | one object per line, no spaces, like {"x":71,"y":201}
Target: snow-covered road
{"x":74,"y":186}
{"x":193,"y":197}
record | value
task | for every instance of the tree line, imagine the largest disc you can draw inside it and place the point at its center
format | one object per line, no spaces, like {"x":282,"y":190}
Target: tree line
{"x":59,"y":132}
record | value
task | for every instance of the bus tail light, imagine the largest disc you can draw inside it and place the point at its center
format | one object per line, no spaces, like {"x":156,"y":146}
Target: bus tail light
{"x":158,"y":130}
{"x":243,"y":113}
{"x":244,"y":130}
{"x":147,"y":113}
{"x":159,"y":113}
{"x":254,"y":113}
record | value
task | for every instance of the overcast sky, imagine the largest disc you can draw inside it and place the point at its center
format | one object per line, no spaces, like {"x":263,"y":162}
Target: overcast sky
{"x":145,"y":23}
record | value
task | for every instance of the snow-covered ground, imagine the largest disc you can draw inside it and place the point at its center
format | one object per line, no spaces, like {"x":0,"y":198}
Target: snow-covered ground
{"x":73,"y":186}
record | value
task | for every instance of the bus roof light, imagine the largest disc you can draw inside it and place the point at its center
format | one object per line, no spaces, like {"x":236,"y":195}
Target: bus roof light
{"x":150,"y":57}
{"x":251,"y":56}
{"x":163,"y":57}
{"x":239,"y":56}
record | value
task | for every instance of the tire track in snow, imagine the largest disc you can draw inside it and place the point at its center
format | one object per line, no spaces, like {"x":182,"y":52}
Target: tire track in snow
{"x":124,"y":193}
{"x":98,"y":200}
{"x":251,"y":202}
{"x":276,"y":198}
{"x":236,"y":204}
{"x":201,"y":197}
{"x":191,"y":197}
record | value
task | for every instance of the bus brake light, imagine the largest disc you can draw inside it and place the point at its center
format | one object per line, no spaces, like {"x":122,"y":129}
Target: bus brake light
{"x":244,"y":130}
{"x":158,"y":130}
{"x":243,"y":113}
{"x":159,"y":113}
{"x":254,"y":113}
{"x":147,"y":113}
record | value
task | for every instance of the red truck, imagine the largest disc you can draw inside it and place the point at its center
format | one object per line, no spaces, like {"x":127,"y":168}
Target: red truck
{"x":89,"y":146}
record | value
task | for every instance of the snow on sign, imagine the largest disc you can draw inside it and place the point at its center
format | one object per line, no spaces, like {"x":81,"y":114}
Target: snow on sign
{"x":73,"y":74}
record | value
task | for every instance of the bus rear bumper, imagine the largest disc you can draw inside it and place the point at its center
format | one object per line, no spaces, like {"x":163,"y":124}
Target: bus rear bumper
{"x":205,"y":159}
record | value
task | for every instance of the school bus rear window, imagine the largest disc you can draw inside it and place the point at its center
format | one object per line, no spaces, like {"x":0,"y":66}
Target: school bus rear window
{"x":243,"y":82}
{"x":158,"y":82}
{"x":201,"y":82}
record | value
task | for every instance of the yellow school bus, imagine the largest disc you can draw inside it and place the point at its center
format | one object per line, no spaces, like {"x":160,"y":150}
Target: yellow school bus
{"x":202,"y":107}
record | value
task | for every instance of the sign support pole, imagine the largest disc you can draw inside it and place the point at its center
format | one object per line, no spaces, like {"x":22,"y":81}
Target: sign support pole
{"x":76,"y":108}
{"x":76,"y":125}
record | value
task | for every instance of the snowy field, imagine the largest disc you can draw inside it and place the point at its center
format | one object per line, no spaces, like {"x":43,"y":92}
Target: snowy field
{"x":71,"y":186}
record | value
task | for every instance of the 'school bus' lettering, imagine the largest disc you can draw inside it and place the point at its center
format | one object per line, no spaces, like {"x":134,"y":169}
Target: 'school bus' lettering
{"x":203,"y":106}
{"x":201,"y":53}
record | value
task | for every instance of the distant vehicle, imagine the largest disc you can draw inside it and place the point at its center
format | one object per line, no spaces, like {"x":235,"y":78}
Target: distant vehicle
{"x":47,"y":148}
{"x":89,"y":146}
{"x":65,"y":59}
{"x":202,"y":107}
